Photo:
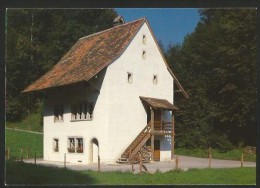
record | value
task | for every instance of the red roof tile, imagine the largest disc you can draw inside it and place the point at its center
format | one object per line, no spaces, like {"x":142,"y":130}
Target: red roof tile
{"x":88,"y":56}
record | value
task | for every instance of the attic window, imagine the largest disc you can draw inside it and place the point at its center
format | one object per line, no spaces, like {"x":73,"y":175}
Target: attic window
{"x":130,"y":77}
{"x":155,"y":79}
{"x":144,"y":54}
{"x":144,"y":39}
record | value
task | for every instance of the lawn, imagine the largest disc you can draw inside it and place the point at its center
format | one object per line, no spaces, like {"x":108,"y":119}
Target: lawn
{"x":32,"y":122}
{"x":42,"y":175}
{"x":234,"y":154}
{"x":15,"y":140}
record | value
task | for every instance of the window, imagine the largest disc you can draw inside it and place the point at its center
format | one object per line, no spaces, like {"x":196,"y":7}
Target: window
{"x":82,"y":111}
{"x":56,"y":145}
{"x":144,"y":54}
{"x":129,"y":77}
{"x":144,"y":39}
{"x":155,"y":79}
{"x":58,"y":113}
{"x":75,"y":145}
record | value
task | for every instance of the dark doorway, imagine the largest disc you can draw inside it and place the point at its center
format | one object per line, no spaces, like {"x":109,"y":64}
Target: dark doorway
{"x":156,"y":156}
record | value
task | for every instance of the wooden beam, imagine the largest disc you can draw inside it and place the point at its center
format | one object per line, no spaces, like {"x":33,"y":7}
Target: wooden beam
{"x":94,"y":86}
{"x":152,"y":132}
{"x":160,"y":133}
{"x":172,"y":149}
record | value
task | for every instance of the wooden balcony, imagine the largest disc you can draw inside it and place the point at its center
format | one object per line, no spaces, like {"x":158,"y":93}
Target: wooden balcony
{"x":162,"y":128}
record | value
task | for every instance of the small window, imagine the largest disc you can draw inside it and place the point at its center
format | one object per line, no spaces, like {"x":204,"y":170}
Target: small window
{"x":79,"y":145}
{"x":58,"y":113}
{"x":129,"y":77}
{"x":144,"y":39}
{"x":144,"y":54}
{"x":56,"y":145}
{"x":71,"y":145}
{"x":155,"y":79}
{"x":82,"y":111}
{"x":75,"y":145}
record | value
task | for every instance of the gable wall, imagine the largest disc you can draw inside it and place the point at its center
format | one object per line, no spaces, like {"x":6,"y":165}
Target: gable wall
{"x":127,"y":116}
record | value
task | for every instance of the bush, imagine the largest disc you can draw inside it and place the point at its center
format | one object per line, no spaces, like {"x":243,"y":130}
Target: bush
{"x":15,"y":110}
{"x":220,"y":142}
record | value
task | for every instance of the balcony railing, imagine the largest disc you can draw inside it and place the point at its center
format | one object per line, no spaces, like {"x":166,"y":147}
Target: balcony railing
{"x":162,"y":127}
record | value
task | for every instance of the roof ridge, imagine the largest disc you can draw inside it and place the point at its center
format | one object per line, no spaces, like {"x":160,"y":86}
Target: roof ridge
{"x":91,"y":35}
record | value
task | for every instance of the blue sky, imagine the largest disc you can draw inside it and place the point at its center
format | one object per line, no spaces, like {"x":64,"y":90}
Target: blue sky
{"x":170,"y":25}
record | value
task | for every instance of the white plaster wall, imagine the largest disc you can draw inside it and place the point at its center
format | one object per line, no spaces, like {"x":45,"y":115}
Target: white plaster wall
{"x":127,"y":116}
{"x":96,"y":128}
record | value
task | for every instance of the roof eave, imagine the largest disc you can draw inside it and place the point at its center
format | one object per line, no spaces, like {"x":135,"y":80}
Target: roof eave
{"x":185,"y":94}
{"x":116,"y":57}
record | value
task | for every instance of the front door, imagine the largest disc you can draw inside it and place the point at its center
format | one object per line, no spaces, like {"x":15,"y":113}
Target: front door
{"x":156,"y":155}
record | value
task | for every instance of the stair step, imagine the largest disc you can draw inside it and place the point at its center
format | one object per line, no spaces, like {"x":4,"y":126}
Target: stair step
{"x":128,"y":162}
{"x":123,"y":159}
{"x":123,"y":162}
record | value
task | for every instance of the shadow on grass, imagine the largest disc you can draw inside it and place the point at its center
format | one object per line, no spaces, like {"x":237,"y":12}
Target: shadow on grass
{"x":19,"y":173}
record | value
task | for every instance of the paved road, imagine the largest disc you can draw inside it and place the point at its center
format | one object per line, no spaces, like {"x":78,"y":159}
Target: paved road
{"x":163,"y":166}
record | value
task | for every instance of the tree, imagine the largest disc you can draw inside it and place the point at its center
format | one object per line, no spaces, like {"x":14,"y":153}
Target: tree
{"x":217,"y":63}
{"x":36,"y":40}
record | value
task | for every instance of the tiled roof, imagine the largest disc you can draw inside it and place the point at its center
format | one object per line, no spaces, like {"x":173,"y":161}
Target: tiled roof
{"x":88,"y":56}
{"x":158,"y":103}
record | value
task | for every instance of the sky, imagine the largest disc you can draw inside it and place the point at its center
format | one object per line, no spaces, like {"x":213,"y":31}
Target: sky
{"x":170,"y":25}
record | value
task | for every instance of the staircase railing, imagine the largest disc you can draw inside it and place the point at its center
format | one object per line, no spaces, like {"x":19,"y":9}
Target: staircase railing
{"x":139,"y":146}
{"x":145,"y":130}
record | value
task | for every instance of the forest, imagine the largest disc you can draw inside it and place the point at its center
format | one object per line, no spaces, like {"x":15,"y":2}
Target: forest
{"x":216,"y":65}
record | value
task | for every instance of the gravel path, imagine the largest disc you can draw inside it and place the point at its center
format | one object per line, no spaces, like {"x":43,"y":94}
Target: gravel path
{"x":163,"y":166}
{"x":15,"y":129}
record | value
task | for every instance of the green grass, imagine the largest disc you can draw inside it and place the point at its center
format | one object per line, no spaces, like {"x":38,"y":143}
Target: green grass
{"x":22,"y":173}
{"x":32,"y":122}
{"x":234,"y":154}
{"x":15,"y":140}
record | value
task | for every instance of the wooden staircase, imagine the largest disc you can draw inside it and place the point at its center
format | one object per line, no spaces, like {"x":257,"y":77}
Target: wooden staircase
{"x":132,"y":150}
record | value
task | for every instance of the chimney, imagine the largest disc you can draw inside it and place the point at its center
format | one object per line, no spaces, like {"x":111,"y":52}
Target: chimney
{"x":118,"y":20}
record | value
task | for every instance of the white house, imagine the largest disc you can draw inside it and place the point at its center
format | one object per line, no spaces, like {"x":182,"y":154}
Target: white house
{"x":111,"y":96}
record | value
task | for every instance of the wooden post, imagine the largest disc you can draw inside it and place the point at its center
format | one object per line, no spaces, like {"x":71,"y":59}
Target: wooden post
{"x":177,"y":163}
{"x":98,"y":163}
{"x":21,"y":154}
{"x":209,"y":151}
{"x":64,"y":160}
{"x":210,"y":160}
{"x":8,"y":153}
{"x":27,"y":154}
{"x":141,"y":164}
{"x":172,"y":149}
{"x":34,"y":157}
{"x":242,"y":159}
{"x":152,"y":132}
